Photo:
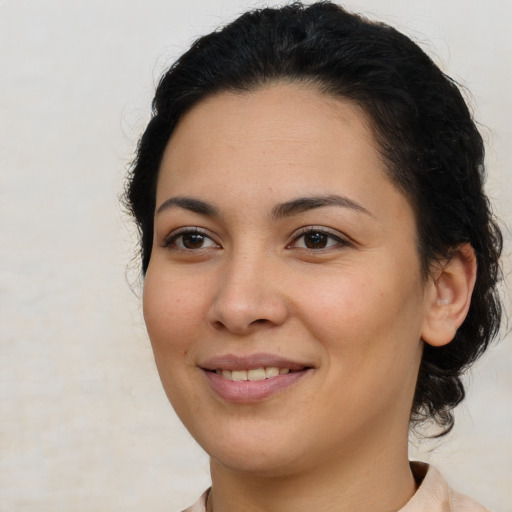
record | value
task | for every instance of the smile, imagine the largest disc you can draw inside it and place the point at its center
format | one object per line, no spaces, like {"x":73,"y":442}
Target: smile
{"x":251,"y":378}
{"x":255,"y":374}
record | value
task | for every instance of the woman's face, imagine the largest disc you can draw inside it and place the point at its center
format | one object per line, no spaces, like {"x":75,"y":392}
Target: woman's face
{"x":284,"y":255}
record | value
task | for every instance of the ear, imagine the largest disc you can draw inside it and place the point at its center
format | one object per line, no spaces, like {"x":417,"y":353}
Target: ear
{"x":449,"y":296}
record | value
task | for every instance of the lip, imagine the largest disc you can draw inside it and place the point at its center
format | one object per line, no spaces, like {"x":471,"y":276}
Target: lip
{"x":250,"y":362}
{"x":246,"y":392}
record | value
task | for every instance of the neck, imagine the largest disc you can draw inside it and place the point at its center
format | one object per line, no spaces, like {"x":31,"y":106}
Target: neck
{"x":363,"y":478}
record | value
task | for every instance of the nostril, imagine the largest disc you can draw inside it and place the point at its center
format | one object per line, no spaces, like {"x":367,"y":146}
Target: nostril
{"x":217,"y":324}
{"x":244,"y":313}
{"x":220,"y":325}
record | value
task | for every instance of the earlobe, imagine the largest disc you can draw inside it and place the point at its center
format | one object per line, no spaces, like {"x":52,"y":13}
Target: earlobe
{"x":449,"y":296}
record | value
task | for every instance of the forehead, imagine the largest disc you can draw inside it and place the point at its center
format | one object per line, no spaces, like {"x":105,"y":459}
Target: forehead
{"x":280,"y":131}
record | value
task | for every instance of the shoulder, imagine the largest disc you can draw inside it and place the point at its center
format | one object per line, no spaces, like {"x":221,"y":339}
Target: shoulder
{"x":434,"y":494}
{"x":200,"y":504}
{"x":463,"y":503}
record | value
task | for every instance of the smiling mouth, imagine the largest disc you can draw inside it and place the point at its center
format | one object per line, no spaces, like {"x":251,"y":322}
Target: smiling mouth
{"x":251,"y":378}
{"x":262,"y":373}
{"x":233,"y":383}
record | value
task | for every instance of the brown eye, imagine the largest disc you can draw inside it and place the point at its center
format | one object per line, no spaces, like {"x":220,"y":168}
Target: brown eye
{"x":190,"y":240}
{"x":316,"y":240}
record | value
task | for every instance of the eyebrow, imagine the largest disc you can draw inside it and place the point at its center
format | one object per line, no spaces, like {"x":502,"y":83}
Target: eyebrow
{"x":191,"y":204}
{"x":303,"y":204}
{"x":286,"y":209}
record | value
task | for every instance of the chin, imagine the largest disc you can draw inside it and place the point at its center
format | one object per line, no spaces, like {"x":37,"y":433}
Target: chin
{"x":254,"y":452}
{"x":257,"y":463}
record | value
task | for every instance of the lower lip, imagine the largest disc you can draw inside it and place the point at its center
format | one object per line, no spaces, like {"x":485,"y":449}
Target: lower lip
{"x":250,"y":391}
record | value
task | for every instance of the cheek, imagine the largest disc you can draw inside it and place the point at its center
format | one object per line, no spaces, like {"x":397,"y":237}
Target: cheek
{"x":371,"y":341}
{"x":171,"y":310}
{"x":364,"y":320}
{"x":341,"y":308}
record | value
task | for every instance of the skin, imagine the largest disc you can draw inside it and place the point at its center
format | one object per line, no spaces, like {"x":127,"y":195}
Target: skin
{"x":354,"y":307}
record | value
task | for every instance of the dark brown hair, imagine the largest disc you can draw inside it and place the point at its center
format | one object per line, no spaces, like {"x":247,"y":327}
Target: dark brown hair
{"x":423,"y":127}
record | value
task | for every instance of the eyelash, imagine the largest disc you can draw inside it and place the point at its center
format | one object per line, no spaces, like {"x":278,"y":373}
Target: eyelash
{"x":171,"y":240}
{"x":173,"y":237}
{"x":313,"y":230}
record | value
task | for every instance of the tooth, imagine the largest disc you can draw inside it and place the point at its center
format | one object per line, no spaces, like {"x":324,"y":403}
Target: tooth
{"x":238,"y":375}
{"x":271,"y":371}
{"x":218,"y":372}
{"x":284,"y":371}
{"x":226,"y":374}
{"x":256,"y":374}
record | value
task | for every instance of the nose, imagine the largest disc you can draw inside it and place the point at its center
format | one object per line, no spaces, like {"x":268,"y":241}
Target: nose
{"x":249,"y":296}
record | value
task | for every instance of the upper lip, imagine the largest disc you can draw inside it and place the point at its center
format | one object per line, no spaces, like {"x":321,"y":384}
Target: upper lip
{"x":249,"y":362}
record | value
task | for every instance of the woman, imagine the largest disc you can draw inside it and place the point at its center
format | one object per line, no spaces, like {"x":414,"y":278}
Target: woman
{"x":320,"y":259}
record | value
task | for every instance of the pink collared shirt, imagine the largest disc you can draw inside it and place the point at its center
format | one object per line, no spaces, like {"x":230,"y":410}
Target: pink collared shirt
{"x":433,"y":495}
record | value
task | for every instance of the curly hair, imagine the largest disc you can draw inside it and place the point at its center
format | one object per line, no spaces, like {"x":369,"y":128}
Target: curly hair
{"x":422,"y":125}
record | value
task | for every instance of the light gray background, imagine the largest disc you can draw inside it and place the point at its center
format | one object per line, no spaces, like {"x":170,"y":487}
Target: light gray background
{"x":84,"y":423}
